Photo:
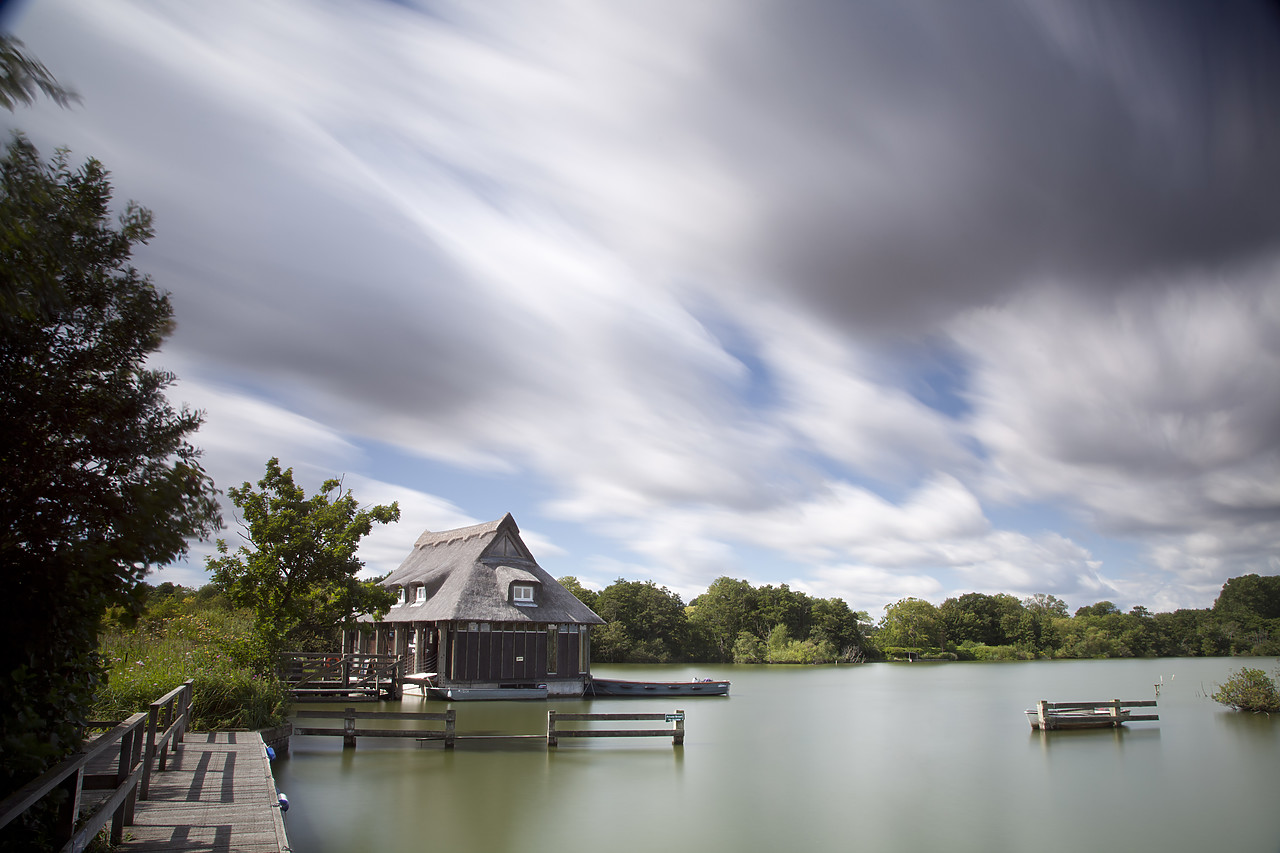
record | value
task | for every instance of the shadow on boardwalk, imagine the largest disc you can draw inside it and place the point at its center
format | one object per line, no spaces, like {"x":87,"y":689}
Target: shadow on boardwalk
{"x":215,"y":796}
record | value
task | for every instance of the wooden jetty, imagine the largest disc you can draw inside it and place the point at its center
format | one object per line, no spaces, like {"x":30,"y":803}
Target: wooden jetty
{"x":324,"y":677}
{"x":160,"y":789}
{"x":216,"y":795}
{"x":449,"y":735}
{"x":1048,"y":716}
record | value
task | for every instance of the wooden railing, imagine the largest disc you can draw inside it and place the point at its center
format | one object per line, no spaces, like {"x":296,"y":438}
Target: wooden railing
{"x":349,"y":732}
{"x":676,"y":732}
{"x":320,"y":674}
{"x":130,"y":746}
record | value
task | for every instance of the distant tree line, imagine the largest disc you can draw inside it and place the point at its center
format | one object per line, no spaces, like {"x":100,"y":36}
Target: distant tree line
{"x":734,"y":622}
{"x":731,"y":622}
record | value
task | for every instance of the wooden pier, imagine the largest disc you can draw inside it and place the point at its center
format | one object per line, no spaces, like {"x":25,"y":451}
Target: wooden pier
{"x":323,"y":677}
{"x":216,"y":795}
{"x":1088,"y":715}
{"x":160,"y":789}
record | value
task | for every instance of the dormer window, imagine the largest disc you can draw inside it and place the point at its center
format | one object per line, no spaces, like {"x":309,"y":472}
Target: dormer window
{"x":400,"y":595}
{"x":421,"y":596}
{"x":522,"y":594}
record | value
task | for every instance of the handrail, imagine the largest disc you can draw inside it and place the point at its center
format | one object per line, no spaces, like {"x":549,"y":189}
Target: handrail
{"x":137,"y":748}
{"x":173,"y":712}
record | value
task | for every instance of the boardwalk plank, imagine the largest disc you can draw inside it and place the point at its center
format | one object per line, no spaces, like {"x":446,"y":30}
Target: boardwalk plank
{"x":216,"y":796}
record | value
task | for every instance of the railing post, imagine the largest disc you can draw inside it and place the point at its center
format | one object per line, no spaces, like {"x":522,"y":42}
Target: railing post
{"x":188,"y":690}
{"x":552,"y":740}
{"x":69,"y":810}
{"x":346,"y":671}
{"x":349,"y":728}
{"x":450,"y":723}
{"x":677,"y":735}
{"x":149,"y":753}
{"x":135,"y":760}
{"x":122,"y":773}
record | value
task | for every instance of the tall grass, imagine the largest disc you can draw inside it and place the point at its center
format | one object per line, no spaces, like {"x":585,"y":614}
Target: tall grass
{"x":178,"y":640}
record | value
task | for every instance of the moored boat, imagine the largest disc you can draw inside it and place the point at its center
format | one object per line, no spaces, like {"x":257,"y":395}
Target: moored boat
{"x":620,"y":687}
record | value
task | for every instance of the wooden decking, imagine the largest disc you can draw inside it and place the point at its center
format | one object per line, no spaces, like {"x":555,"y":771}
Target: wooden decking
{"x":215,"y":796}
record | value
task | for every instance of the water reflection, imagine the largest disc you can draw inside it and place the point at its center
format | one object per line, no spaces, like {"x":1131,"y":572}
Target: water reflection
{"x":893,"y":758}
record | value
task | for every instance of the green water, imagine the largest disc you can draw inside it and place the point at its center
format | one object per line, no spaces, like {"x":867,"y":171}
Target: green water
{"x":884,"y":757}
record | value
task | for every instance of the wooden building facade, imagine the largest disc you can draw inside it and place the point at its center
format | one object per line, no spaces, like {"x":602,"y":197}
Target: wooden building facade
{"x":477,"y":611}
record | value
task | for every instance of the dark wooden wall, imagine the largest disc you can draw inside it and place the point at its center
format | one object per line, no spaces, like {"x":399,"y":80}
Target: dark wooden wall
{"x":510,"y":655}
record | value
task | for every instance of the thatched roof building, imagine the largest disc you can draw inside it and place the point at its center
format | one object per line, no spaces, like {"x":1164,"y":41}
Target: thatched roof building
{"x":476,"y":609}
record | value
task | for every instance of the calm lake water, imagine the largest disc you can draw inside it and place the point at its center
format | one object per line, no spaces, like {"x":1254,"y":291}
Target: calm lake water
{"x":884,"y":757}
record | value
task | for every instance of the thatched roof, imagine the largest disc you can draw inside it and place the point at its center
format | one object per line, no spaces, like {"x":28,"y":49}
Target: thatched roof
{"x":467,"y":574}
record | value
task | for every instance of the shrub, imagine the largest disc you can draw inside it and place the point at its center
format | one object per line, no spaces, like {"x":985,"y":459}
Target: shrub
{"x":1249,"y":690}
{"x":212,"y":646}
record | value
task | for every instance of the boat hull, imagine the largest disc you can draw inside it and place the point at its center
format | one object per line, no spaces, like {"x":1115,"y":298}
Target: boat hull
{"x":654,"y":689}
{"x":483,"y":694}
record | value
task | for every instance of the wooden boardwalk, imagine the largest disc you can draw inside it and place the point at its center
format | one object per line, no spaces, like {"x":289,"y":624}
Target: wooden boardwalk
{"x":215,"y":796}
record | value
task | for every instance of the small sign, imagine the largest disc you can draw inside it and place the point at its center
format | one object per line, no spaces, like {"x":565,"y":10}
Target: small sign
{"x":519,"y":660}
{"x":675,"y":718}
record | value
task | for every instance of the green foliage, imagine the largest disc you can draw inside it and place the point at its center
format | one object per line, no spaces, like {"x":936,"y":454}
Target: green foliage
{"x":646,"y":624}
{"x":580,"y":592}
{"x":180,"y":638}
{"x":749,"y":648}
{"x":722,"y":613}
{"x":1249,"y":690}
{"x":1250,"y":596}
{"x":300,"y":578}
{"x":22,"y":77}
{"x":731,"y":608}
{"x":97,"y":479}
{"x":911,"y":623}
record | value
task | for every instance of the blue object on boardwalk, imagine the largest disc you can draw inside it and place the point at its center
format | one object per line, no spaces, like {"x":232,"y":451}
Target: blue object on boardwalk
{"x":271,"y":754}
{"x":284,"y":803}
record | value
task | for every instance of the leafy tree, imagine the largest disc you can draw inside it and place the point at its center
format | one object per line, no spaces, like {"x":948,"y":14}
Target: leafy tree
{"x":300,"y":577}
{"x":586,"y":596}
{"x":1102,"y":608}
{"x":1249,"y":595}
{"x":1047,"y":604}
{"x":834,"y":623}
{"x":749,"y":648}
{"x":646,"y":623}
{"x":911,"y":623}
{"x":1249,"y":690}
{"x":22,"y":77}
{"x":98,"y":482}
{"x":723,"y":612}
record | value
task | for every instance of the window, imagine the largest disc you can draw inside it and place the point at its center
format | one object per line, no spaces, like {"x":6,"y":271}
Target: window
{"x":422,"y":595}
{"x":522,"y":594}
{"x":400,"y":595}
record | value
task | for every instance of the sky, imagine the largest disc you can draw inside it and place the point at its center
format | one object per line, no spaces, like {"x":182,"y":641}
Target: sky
{"x":873,"y":299}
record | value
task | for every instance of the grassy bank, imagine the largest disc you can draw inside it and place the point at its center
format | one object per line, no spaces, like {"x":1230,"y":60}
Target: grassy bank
{"x":180,"y":637}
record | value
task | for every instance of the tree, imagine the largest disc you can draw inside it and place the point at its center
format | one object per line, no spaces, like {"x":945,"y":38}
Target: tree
{"x":22,"y":77}
{"x":300,"y":577}
{"x":580,"y":592}
{"x":912,"y":623}
{"x":646,"y":623}
{"x":98,"y":482}
{"x":1249,"y":690}
{"x":723,"y":612}
{"x":1249,"y":596}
